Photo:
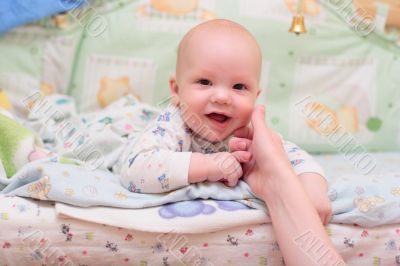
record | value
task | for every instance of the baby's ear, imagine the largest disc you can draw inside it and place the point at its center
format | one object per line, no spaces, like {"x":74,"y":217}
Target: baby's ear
{"x":174,"y":89}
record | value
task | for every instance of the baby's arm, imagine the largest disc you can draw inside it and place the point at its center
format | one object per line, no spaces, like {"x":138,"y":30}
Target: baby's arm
{"x":313,"y":179}
{"x":154,"y":170}
{"x":159,"y":161}
{"x":221,"y":166}
{"x":157,"y":171}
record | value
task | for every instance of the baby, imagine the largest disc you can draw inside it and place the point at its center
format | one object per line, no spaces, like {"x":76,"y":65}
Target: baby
{"x":213,"y":94}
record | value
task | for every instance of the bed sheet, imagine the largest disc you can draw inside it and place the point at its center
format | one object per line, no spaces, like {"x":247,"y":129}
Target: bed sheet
{"x":33,"y":234}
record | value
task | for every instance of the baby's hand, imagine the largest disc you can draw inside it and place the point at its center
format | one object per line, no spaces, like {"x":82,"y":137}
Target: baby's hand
{"x":316,"y":189}
{"x":242,"y":146}
{"x":225,"y":166}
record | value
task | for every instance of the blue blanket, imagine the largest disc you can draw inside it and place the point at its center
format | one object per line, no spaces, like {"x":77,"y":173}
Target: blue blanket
{"x":356,"y":199}
{"x":62,"y":180}
{"x":18,"y":12}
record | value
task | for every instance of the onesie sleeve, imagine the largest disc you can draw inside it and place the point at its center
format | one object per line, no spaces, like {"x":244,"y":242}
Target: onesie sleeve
{"x":301,"y":161}
{"x":159,"y":159}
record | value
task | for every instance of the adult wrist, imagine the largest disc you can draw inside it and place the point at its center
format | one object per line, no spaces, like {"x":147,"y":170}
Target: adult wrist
{"x":277,"y":187}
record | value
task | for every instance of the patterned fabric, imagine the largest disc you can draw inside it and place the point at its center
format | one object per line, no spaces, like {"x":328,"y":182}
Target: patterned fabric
{"x":33,"y":234}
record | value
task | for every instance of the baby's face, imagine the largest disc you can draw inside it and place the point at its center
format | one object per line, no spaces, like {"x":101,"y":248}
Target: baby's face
{"x":217,"y":84}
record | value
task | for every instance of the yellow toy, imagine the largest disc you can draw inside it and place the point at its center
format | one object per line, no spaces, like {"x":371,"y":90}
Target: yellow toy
{"x":4,"y":101}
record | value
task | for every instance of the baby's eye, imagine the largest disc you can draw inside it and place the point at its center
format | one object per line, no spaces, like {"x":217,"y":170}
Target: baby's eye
{"x":204,"y":82}
{"x":239,"y":86}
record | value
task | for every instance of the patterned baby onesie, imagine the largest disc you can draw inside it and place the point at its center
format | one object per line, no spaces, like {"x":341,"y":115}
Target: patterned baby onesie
{"x":158,"y":159}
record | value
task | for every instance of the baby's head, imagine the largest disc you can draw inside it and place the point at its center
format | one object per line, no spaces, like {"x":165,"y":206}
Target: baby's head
{"x":217,"y":78}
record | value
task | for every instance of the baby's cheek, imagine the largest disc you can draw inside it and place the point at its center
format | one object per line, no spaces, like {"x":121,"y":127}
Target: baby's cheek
{"x":247,"y":114}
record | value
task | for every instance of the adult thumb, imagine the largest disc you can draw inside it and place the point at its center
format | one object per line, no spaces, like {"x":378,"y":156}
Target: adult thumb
{"x":258,"y":119}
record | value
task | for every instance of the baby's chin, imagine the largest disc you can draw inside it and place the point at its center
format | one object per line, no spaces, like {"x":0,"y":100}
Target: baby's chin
{"x":214,"y":137}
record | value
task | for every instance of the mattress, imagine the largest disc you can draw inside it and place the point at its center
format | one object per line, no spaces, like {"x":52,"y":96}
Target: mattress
{"x":32,"y":233}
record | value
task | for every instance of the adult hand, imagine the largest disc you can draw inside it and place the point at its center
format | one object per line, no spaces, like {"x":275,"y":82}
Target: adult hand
{"x":271,"y":177}
{"x":269,"y":158}
{"x":273,"y":160}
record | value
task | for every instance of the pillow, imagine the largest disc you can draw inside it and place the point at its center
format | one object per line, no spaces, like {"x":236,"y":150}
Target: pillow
{"x":36,"y":57}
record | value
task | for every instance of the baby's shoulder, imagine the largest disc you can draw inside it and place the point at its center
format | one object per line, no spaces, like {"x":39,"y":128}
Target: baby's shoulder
{"x":169,"y":122}
{"x":170,"y":114}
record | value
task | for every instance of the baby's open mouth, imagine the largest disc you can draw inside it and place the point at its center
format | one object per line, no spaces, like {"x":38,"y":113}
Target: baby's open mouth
{"x":221,"y":118}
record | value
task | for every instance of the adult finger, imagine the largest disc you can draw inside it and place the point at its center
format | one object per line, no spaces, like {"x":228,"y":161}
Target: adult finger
{"x":260,"y":124}
{"x":258,"y":120}
{"x":239,"y":144}
{"x":264,"y":141}
{"x":328,"y":218}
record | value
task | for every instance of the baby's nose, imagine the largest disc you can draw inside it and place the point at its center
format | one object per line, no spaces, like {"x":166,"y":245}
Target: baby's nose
{"x":221,"y":96}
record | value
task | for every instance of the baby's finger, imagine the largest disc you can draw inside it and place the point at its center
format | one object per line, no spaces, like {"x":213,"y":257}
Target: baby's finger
{"x":239,"y":144}
{"x":231,"y":182}
{"x":242,"y":156}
